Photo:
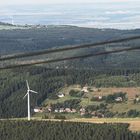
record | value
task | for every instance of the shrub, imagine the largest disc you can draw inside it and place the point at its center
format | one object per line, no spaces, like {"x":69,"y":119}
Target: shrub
{"x":59,"y":117}
{"x":45,"y":117}
{"x":133,"y":113}
{"x":74,"y":93}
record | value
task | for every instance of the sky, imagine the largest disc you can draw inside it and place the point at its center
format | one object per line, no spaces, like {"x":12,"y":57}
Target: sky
{"x":120,"y":14}
{"x":9,"y":2}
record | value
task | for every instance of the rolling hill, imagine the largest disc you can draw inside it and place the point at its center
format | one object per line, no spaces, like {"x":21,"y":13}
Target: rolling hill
{"x":38,"y":38}
{"x":106,"y":71}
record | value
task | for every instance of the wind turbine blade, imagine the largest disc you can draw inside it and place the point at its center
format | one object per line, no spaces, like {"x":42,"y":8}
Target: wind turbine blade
{"x":27,"y":85}
{"x":33,"y":91}
{"x":25,"y":95}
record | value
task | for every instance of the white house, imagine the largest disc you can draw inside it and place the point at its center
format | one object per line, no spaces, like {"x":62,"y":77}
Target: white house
{"x":119,"y":99}
{"x":49,"y":109}
{"x":137,"y":99}
{"x":73,"y":111}
{"x":82,"y":111}
{"x":68,"y":110}
{"x":38,"y":110}
{"x":56,"y":110}
{"x":85,"y":89}
{"x":100,"y":97}
{"x":61,"y":95}
{"x":62,"y":110}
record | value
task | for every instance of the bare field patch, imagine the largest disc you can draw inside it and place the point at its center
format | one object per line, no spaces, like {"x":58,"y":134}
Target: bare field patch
{"x":131,"y":91}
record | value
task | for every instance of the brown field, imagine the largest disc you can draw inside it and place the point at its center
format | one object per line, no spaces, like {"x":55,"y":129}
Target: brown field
{"x":131,"y":91}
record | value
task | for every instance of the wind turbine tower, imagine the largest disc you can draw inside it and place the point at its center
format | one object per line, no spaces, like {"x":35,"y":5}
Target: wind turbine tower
{"x":12,"y":20}
{"x":28,"y":99}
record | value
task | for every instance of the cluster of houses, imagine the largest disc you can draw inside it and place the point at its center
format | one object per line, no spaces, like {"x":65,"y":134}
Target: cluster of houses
{"x":82,"y":111}
{"x":65,"y":110}
{"x":94,"y":113}
{"x":84,"y":89}
{"x":49,"y":109}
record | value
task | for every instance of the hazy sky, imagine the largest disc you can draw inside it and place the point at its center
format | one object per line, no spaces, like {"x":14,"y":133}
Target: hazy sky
{"x":120,"y":14}
{"x":9,"y":2}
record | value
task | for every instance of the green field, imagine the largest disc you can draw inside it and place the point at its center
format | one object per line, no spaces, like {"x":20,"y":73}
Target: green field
{"x":118,"y":109}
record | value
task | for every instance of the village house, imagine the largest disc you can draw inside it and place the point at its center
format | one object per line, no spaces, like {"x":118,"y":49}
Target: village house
{"x":100,"y":97}
{"x":61,"y":95}
{"x":85,"y":89}
{"x":119,"y":99}
{"x":49,"y":109}
{"x":137,"y":99}
{"x":61,"y":110}
{"x":82,"y":111}
{"x":56,"y":110}
{"x":38,"y":110}
{"x":73,"y":111}
{"x":68,"y":110}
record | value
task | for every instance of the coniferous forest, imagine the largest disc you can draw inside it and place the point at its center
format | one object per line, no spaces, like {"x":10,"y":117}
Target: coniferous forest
{"x":42,"y":130}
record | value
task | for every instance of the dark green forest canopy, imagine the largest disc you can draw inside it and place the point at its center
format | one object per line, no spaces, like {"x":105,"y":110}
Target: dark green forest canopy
{"x":34,"y":39}
{"x":42,"y":130}
{"x":24,"y":40}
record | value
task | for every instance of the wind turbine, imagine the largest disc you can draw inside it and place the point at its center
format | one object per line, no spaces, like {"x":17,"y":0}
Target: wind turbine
{"x":28,"y":99}
{"x":12,"y":20}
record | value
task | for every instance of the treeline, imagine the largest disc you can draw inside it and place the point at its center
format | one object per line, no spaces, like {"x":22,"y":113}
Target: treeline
{"x":42,"y":130}
{"x":48,"y":82}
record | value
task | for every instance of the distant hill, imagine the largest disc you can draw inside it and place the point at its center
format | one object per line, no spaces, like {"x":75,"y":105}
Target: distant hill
{"x":41,"y":37}
{"x":3,"y":23}
{"x":13,"y":41}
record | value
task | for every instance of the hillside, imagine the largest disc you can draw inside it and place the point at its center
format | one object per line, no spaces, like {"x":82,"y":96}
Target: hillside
{"x":93,"y":102}
{"x":48,"y":82}
{"x":35,"y":38}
